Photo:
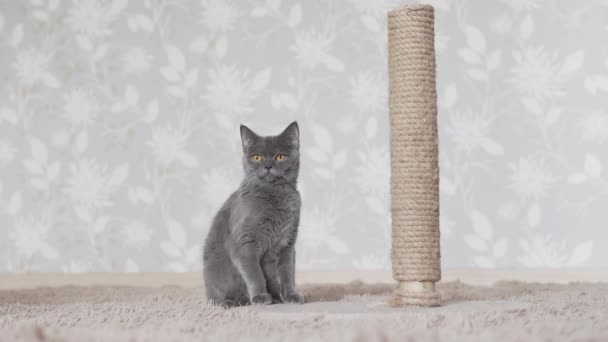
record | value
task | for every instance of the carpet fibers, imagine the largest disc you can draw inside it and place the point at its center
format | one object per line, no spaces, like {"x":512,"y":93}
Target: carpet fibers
{"x":507,"y":311}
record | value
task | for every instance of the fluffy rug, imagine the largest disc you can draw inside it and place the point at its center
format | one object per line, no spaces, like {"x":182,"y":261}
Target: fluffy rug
{"x":507,"y":311}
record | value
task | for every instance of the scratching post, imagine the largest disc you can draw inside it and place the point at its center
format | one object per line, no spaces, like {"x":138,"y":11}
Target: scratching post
{"x":414,"y":157}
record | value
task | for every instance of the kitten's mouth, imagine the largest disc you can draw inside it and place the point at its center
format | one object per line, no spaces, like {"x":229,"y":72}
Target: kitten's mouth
{"x":268,"y":176}
{"x":265,"y":175}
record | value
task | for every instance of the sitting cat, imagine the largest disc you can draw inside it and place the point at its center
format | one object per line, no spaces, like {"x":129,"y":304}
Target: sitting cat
{"x":249,"y":254}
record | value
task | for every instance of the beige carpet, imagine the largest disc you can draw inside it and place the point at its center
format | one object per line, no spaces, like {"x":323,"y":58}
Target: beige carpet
{"x":507,"y":311}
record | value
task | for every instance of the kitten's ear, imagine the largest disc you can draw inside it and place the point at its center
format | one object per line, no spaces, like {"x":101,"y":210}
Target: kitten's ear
{"x":248,"y":137}
{"x":291,"y":134}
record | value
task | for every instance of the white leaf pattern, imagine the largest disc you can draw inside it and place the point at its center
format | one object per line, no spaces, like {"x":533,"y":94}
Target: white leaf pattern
{"x":131,"y":96}
{"x":573,"y":62}
{"x":527,"y":27}
{"x":176,"y":58}
{"x":593,"y":166}
{"x":534,"y":215}
{"x":295,"y":15}
{"x":481,"y":225}
{"x":492,"y":147}
{"x":15,"y":203}
{"x":322,"y":138}
{"x":221,"y":47}
{"x":131,"y":266}
{"x":469,"y":56}
{"x":121,"y":118}
{"x":450,"y":96}
{"x":494,"y":60}
{"x":82,"y":140}
{"x":500,"y":248}
{"x":475,"y":39}
{"x":581,"y":254}
{"x":17,"y":35}
{"x":33,"y":166}
{"x":370,"y":22}
{"x":261,"y":80}
{"x":170,"y":249}
{"x":119,"y":175}
{"x":476,"y":243}
{"x":170,"y":74}
{"x":258,"y":12}
{"x":371,"y":127}
{"x":39,"y":151}
{"x":176,"y":232}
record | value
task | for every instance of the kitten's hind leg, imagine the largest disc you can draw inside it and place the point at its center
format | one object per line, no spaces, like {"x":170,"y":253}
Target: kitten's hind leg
{"x":231,"y":303}
{"x":222,"y":302}
{"x":228,"y":303}
{"x":243,"y":300}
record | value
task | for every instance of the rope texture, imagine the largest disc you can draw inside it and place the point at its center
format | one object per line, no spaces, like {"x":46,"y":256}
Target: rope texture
{"x":428,"y":298}
{"x":414,"y":152}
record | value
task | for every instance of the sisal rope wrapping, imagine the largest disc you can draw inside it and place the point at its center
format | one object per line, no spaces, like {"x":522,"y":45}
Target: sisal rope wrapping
{"x":414,"y":155}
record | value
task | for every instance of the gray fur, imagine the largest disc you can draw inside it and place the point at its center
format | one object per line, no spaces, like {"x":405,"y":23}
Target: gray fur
{"x":249,"y":254}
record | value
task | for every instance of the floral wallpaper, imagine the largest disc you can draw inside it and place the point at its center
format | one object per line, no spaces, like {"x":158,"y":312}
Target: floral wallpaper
{"x":119,"y":128}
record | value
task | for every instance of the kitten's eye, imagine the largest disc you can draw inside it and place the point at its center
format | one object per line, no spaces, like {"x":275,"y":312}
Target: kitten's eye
{"x":257,"y":158}
{"x":279,"y":157}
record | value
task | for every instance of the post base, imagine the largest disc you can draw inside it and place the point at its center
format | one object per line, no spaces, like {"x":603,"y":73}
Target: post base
{"x":419,"y":293}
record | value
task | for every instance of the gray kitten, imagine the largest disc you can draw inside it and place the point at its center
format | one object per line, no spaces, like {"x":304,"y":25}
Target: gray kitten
{"x":249,"y":254}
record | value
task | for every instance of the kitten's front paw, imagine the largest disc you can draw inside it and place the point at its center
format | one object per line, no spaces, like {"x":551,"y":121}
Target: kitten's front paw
{"x":295,"y":298}
{"x":263,"y":298}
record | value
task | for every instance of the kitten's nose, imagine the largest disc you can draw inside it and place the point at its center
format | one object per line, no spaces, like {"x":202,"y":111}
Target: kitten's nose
{"x":268,"y":167}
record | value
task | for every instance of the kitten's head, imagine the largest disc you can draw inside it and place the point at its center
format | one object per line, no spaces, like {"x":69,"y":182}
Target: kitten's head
{"x":272,"y":159}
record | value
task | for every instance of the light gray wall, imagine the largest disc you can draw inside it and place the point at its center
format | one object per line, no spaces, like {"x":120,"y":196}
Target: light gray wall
{"x":119,"y":128}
